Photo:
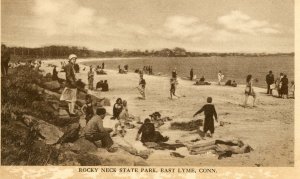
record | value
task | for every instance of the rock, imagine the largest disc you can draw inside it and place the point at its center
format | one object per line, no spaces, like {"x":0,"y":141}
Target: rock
{"x":85,"y":145}
{"x":50,"y":132}
{"x":118,"y":158}
{"x":71,"y":134}
{"x":68,"y":158}
{"x":52,"y":85}
{"x":89,"y":160}
{"x":63,"y":113}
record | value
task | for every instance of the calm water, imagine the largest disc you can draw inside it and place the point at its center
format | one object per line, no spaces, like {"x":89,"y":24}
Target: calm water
{"x":234,"y":68}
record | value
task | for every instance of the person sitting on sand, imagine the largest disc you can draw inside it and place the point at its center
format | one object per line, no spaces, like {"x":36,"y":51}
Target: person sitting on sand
{"x":202,"y":81}
{"x":87,"y":108}
{"x":234,"y":84}
{"x":210,"y":113}
{"x":94,"y":130}
{"x":99,"y":84}
{"x":220,"y":147}
{"x":156,"y":119}
{"x":249,"y":91}
{"x":149,"y":134}
{"x":123,"y":117}
{"x":117,"y":109}
{"x":105,"y":86}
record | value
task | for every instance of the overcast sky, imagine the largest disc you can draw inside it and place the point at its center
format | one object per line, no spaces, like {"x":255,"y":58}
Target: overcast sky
{"x":197,"y":25}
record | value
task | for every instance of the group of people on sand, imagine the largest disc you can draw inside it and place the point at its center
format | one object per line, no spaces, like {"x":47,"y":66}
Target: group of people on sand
{"x":95,"y":130}
{"x":280,"y":85}
{"x":123,"y":70}
{"x":148,"y":70}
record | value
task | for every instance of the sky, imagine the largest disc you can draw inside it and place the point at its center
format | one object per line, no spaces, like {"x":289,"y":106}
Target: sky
{"x":196,"y":25}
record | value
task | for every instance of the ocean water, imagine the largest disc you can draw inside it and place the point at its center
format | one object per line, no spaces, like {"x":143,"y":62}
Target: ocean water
{"x":234,"y":68}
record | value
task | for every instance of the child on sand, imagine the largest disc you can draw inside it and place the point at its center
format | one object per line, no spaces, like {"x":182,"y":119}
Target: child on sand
{"x":209,"y":112}
{"x":123,"y":118}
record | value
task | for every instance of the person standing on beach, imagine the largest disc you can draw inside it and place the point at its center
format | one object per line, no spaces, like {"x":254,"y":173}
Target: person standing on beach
{"x":70,"y":92}
{"x":220,"y":77}
{"x":249,"y":91}
{"x":91,"y":78}
{"x":191,"y":74}
{"x":285,"y":87}
{"x":173,"y":82}
{"x":269,"y":81}
{"x":103,"y":65}
{"x":174,"y":73}
{"x":210,"y":113}
{"x":54,"y":74}
{"x":142,"y":86}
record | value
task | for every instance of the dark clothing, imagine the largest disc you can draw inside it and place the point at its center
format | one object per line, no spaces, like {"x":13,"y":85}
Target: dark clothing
{"x":70,"y":76}
{"x":149,"y":134}
{"x":99,"y":85}
{"x":209,"y":112}
{"x":89,"y":112}
{"x":104,"y":87}
{"x":228,"y":83}
{"x":54,"y":74}
{"x":269,"y":80}
{"x":76,"y":68}
{"x":142,"y":83}
{"x":105,"y":138}
{"x":191,"y":74}
{"x":174,"y":74}
{"x":116,"y":110}
{"x":284,"y":87}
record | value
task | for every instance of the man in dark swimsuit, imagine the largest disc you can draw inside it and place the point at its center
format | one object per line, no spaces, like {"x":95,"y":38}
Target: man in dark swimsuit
{"x":210,"y":113}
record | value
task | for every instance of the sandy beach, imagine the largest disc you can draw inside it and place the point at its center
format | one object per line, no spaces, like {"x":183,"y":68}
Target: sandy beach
{"x":267,"y":128}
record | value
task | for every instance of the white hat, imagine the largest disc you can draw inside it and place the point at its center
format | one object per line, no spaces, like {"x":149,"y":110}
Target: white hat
{"x":72,"y":56}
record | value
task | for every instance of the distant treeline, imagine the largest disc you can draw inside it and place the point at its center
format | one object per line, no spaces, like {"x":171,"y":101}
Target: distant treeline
{"x":55,"y":51}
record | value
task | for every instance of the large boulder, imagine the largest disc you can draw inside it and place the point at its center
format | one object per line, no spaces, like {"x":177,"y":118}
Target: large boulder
{"x":52,"y":85}
{"x":83,"y":145}
{"x":119,"y":158}
{"x":50,"y":132}
{"x":71,"y":134}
